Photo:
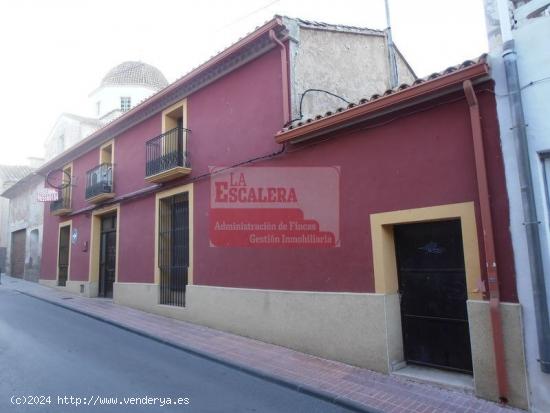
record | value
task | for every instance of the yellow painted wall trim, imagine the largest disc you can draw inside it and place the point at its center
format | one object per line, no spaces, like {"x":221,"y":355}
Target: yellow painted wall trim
{"x":95,"y":241}
{"x":176,"y":107}
{"x":164,"y":194}
{"x":69,"y":224}
{"x":69,"y":189}
{"x":383,"y":244}
{"x":102,"y":159}
{"x":111,"y":143}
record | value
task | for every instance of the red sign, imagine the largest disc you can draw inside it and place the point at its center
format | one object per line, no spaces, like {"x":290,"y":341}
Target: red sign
{"x":275,"y":207}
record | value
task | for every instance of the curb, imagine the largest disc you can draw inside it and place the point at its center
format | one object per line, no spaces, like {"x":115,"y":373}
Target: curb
{"x":273,"y":378}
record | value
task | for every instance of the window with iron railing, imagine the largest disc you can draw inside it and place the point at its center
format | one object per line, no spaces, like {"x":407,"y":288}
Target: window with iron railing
{"x":99,"y":180}
{"x":167,"y":151}
{"x":63,"y":202}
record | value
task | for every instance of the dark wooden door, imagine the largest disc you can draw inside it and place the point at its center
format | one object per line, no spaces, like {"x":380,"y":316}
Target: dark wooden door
{"x":432,"y":285}
{"x":63,"y":258}
{"x":17,"y":256}
{"x":107,"y":256}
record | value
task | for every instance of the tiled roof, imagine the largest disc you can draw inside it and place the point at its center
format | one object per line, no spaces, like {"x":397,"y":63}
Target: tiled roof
{"x":135,"y":73}
{"x":335,"y":27}
{"x":83,"y":119}
{"x":276,"y":22}
{"x":13,"y":173}
{"x":297,"y":123}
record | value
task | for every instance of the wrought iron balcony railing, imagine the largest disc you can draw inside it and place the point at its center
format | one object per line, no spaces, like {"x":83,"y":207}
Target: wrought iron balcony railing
{"x":62,"y":205}
{"x":167,"y":152}
{"x":99,"y":182}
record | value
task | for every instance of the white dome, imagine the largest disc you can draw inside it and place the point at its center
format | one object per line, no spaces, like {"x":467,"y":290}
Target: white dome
{"x":135,"y":73}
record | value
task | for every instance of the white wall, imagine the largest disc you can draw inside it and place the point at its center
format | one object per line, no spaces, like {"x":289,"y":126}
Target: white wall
{"x":109,"y":96}
{"x":350,"y":65}
{"x":68,"y":128}
{"x":25,"y":212}
{"x":533,"y":53}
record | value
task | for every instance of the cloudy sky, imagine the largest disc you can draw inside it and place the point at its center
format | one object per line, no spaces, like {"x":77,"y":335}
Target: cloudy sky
{"x":54,"y":53}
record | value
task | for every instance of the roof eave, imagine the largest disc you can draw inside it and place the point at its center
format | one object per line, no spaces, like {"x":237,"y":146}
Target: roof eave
{"x":20,"y":185}
{"x":83,"y":146}
{"x":396,"y":101}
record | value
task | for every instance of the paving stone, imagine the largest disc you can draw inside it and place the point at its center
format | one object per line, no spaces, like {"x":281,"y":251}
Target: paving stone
{"x":370,"y":389}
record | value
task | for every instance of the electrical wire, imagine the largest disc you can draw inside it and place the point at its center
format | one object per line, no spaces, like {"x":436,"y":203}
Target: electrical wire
{"x":302,"y":101}
{"x":283,"y":150}
{"x":369,"y":127}
{"x":531,"y":83}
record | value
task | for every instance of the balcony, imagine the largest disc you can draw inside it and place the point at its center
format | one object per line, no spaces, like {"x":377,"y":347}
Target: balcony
{"x":167,"y":157}
{"x":99,"y":183}
{"x":62,"y":206}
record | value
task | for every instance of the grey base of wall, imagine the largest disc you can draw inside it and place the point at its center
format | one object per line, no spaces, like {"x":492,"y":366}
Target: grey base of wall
{"x":359,"y":329}
{"x":84,"y":288}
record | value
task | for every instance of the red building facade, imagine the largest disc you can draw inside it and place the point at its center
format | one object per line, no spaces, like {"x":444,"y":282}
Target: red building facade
{"x":408,"y":173}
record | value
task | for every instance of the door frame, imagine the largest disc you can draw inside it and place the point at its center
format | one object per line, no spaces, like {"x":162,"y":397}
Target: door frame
{"x":383,"y":243}
{"x":102,"y":274}
{"x":12,"y":251}
{"x":164,"y":194}
{"x":69,"y":224}
{"x":385,"y":263}
{"x":95,"y":246}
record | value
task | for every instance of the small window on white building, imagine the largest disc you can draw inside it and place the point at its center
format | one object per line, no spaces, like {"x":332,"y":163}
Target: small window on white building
{"x":125,"y":103}
{"x":61,"y":143}
{"x":98,"y":107}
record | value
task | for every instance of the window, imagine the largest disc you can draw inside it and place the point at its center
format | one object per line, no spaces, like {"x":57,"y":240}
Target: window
{"x":98,"y":107}
{"x":106,"y":153}
{"x":66,"y":192}
{"x":61,"y":143}
{"x":173,"y":248}
{"x":125,"y":103}
{"x":174,"y":244}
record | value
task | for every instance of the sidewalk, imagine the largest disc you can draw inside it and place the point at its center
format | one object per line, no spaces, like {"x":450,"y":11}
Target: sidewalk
{"x":352,"y":387}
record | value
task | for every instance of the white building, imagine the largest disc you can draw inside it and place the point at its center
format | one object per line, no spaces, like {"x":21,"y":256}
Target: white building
{"x":21,"y":215}
{"x":24,"y":226}
{"x":523,"y":26}
{"x":122,"y":88}
{"x":9,"y":175}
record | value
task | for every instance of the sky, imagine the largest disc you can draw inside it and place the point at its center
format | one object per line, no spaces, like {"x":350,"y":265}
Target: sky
{"x":54,"y":53}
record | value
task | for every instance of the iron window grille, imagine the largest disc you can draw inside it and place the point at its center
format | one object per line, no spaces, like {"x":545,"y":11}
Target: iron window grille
{"x":173,"y":248}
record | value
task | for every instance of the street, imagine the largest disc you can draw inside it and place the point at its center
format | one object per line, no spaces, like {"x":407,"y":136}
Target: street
{"x":46,"y":351}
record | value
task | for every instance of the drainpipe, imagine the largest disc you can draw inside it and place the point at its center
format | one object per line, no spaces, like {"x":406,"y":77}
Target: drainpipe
{"x":531,"y":221}
{"x":284,"y":77}
{"x":488,"y":241}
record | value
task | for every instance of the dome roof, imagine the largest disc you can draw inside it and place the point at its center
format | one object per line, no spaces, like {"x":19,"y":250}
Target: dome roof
{"x":135,"y":73}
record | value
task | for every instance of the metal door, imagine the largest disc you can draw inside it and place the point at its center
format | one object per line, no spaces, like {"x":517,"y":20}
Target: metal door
{"x":107,"y":255}
{"x":432,"y":285}
{"x":17,"y":259}
{"x":63,"y":259}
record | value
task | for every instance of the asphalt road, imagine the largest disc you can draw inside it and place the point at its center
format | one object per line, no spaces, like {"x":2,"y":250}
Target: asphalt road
{"x":46,"y":350}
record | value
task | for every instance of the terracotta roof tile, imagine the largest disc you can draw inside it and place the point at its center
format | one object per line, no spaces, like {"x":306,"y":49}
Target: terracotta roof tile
{"x":364,"y":101}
